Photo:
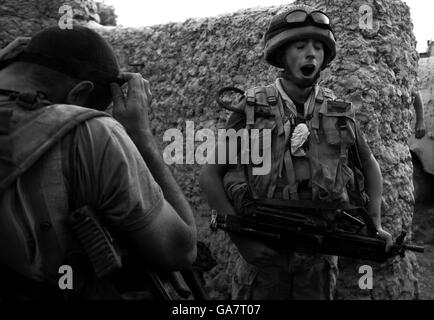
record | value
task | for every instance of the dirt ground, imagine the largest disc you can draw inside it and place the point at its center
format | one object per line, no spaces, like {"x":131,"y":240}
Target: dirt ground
{"x":423,"y":230}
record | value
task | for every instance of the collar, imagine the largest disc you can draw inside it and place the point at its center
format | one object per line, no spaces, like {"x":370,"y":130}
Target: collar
{"x":290,"y":104}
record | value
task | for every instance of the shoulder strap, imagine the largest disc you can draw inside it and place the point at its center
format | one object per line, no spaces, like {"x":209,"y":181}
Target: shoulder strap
{"x":262,"y":101}
{"x":33,"y":139}
{"x":262,"y":96}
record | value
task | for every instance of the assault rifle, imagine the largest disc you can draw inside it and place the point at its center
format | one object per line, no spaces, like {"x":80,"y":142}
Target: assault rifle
{"x":300,"y":226}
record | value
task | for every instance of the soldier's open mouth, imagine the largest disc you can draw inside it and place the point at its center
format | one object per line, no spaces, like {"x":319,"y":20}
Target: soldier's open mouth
{"x":307,"y":70}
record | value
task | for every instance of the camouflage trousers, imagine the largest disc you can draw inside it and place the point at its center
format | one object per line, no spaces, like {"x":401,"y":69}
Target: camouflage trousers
{"x":292,"y":277}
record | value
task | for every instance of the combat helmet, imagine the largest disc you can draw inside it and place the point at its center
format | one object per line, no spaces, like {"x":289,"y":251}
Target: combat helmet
{"x":297,"y":23}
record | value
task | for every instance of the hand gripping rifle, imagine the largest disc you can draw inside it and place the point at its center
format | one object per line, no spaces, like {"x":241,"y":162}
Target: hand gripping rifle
{"x":300,"y":226}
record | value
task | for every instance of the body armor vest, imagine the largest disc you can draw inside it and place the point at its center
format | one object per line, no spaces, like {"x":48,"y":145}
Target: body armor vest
{"x":325,"y":168}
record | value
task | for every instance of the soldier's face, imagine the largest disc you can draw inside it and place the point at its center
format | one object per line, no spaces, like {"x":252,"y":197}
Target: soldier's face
{"x":303,"y":60}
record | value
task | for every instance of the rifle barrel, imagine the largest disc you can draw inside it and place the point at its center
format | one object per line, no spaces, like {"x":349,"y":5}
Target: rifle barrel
{"x":413,"y":247}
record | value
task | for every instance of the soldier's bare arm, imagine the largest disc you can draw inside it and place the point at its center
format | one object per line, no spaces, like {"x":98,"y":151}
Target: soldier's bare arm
{"x":173,"y":232}
{"x":374,"y":188}
{"x":420,"y":129}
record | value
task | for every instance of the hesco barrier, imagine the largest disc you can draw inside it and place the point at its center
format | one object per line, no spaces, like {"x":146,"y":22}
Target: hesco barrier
{"x":187,"y":62}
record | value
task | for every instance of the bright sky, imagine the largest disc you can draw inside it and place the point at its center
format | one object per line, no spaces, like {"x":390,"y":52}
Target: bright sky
{"x":136,"y":13}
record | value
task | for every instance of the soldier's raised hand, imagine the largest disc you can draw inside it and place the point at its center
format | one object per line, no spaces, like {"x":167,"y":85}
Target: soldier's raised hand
{"x":132,"y":110}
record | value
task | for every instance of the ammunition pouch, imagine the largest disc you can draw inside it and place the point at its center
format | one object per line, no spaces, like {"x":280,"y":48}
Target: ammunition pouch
{"x":337,"y":122}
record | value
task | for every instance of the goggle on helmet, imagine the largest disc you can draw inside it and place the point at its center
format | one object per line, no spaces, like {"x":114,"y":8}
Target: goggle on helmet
{"x":298,"y":23}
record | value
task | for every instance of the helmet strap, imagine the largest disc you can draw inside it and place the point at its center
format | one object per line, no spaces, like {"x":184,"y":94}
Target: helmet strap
{"x":288,"y":75}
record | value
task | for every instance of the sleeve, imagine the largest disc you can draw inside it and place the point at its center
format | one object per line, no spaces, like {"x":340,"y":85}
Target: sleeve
{"x":114,"y":177}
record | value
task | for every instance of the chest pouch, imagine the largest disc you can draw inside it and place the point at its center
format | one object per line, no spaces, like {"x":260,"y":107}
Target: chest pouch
{"x":337,"y":120}
{"x":328,"y":153}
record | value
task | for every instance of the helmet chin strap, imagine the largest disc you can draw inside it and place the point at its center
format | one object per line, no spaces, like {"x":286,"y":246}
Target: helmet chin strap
{"x":288,"y":75}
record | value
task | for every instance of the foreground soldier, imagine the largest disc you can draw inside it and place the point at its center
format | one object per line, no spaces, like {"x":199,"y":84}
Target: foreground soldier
{"x":95,"y":163}
{"x":309,"y":160}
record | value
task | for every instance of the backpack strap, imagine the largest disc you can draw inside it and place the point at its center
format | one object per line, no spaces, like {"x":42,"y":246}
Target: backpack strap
{"x":250,"y":107}
{"x":34,"y":138}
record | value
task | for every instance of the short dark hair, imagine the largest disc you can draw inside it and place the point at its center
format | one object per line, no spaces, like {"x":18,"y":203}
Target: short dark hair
{"x":80,"y":53}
